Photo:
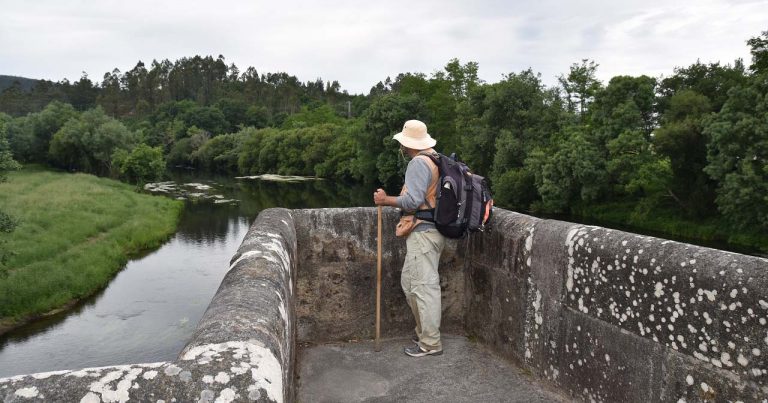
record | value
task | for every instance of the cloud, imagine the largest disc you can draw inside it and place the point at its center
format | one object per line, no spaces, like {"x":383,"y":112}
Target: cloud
{"x":359,"y":44}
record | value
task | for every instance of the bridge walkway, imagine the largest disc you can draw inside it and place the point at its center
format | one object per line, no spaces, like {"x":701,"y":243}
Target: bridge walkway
{"x":466,"y":372}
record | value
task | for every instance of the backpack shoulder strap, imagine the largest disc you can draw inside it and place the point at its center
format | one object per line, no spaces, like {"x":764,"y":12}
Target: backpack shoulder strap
{"x":431,"y":197}
{"x":433,"y":156}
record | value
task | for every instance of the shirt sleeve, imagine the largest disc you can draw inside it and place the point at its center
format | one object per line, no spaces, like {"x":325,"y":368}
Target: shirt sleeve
{"x":418,"y":176}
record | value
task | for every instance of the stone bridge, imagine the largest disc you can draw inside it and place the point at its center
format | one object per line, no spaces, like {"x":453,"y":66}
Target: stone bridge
{"x":589,"y":313}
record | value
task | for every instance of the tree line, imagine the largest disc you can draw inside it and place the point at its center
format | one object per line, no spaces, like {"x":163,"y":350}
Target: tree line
{"x":692,"y":145}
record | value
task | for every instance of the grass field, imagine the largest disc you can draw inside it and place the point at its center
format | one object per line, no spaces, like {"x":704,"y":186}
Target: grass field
{"x":76,"y":232}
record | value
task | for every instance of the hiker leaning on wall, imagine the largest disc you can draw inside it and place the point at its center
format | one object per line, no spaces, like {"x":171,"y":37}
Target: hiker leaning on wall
{"x":420,"y":279}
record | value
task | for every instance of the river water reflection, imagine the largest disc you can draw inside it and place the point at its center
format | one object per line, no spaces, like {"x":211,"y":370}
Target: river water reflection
{"x":150,"y":309}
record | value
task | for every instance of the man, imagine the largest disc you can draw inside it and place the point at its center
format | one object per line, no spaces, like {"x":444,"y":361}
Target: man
{"x":420,"y":279}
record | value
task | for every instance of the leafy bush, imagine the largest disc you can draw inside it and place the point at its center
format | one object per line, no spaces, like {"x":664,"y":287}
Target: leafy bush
{"x":141,"y":165}
{"x":87,"y":143}
{"x":219,"y":154}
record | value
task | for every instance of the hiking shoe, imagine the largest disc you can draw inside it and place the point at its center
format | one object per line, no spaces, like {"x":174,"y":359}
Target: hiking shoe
{"x":417,"y":351}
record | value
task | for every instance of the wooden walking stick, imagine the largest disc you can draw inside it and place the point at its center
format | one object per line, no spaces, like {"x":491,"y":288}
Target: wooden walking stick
{"x":377,"y":346}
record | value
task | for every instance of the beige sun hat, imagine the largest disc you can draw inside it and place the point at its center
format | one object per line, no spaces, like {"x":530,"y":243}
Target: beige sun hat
{"x":415,"y":136}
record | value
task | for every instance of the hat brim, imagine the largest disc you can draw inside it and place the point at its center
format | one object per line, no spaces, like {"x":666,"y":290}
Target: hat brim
{"x":415,"y":144}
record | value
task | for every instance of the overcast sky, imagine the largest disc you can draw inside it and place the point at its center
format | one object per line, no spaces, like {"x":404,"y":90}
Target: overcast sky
{"x":360,"y":43}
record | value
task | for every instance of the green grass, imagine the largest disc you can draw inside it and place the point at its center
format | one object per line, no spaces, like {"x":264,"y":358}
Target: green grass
{"x":667,"y":222}
{"x":76,"y":232}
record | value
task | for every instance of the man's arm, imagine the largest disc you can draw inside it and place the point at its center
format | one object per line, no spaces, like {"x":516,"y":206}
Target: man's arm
{"x":417,"y":178}
{"x":380,"y":198}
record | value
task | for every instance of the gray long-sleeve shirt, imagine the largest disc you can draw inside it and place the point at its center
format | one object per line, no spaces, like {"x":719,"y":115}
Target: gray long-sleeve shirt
{"x":418,"y":176}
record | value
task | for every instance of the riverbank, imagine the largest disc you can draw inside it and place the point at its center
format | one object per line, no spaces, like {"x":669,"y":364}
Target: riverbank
{"x":664,"y":223}
{"x":76,"y":232}
{"x":148,"y":311}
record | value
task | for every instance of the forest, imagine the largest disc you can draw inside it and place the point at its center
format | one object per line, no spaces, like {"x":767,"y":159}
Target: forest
{"x":685,"y":154}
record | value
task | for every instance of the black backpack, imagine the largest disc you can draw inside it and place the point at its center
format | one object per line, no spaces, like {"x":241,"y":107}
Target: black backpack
{"x":464,"y":202}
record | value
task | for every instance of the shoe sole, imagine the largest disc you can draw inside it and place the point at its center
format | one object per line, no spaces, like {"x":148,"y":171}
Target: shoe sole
{"x":431,"y":352}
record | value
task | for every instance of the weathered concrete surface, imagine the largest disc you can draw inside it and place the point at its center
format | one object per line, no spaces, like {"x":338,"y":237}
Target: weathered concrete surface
{"x":604,"y":363}
{"x":220,"y":372}
{"x":242,"y":350}
{"x":498,"y":285}
{"x":612,"y":316}
{"x":337,"y":276}
{"x":466,"y":372}
{"x":704,"y":303}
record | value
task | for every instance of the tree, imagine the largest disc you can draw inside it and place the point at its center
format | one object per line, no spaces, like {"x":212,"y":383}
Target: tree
{"x":441,"y":94}
{"x":633,"y":167}
{"x":515,"y":189}
{"x":759,"y":48}
{"x":619,"y":125}
{"x":209,"y":118}
{"x":580,"y":85}
{"x":312,"y":116}
{"x":412,"y":84}
{"x":248,"y":150}
{"x":626,"y":103}
{"x":45,"y":124}
{"x":441,"y":106}
{"x":738,"y":154}
{"x":12,"y":100}
{"x":500,"y":123}
{"x":156,"y":88}
{"x":82,"y":94}
{"x":234,"y":111}
{"x":44,"y":92}
{"x":141,"y":165}
{"x":378,"y":153}
{"x":219,"y":154}
{"x":7,"y":163}
{"x":183,"y":151}
{"x":681,"y":138}
{"x":180,"y":154}
{"x":711,"y":80}
{"x":88,"y":142}
{"x":269,"y":154}
{"x":110,"y":97}
{"x":570,"y":171}
{"x":340,"y":161}
{"x":21,"y":138}
{"x":105,"y":138}
{"x":462,"y":78}
{"x":257,"y":116}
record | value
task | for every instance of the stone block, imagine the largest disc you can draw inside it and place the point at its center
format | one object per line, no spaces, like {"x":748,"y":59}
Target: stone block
{"x":687,"y":379}
{"x":603,"y":363}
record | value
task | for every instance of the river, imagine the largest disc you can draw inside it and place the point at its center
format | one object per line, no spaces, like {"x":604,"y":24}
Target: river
{"x":150,"y":309}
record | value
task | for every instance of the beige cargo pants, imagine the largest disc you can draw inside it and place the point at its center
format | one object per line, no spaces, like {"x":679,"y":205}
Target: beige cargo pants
{"x":421,"y":284}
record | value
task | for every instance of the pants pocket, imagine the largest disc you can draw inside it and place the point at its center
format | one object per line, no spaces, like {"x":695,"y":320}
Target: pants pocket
{"x":425,"y":269}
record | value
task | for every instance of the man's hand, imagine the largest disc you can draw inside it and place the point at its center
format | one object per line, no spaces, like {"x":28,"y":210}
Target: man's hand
{"x":380,"y":198}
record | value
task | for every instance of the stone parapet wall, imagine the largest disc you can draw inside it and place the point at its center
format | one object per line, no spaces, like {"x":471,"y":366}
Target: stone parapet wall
{"x":242,"y":350}
{"x":337,"y":277}
{"x":613,"y":316}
